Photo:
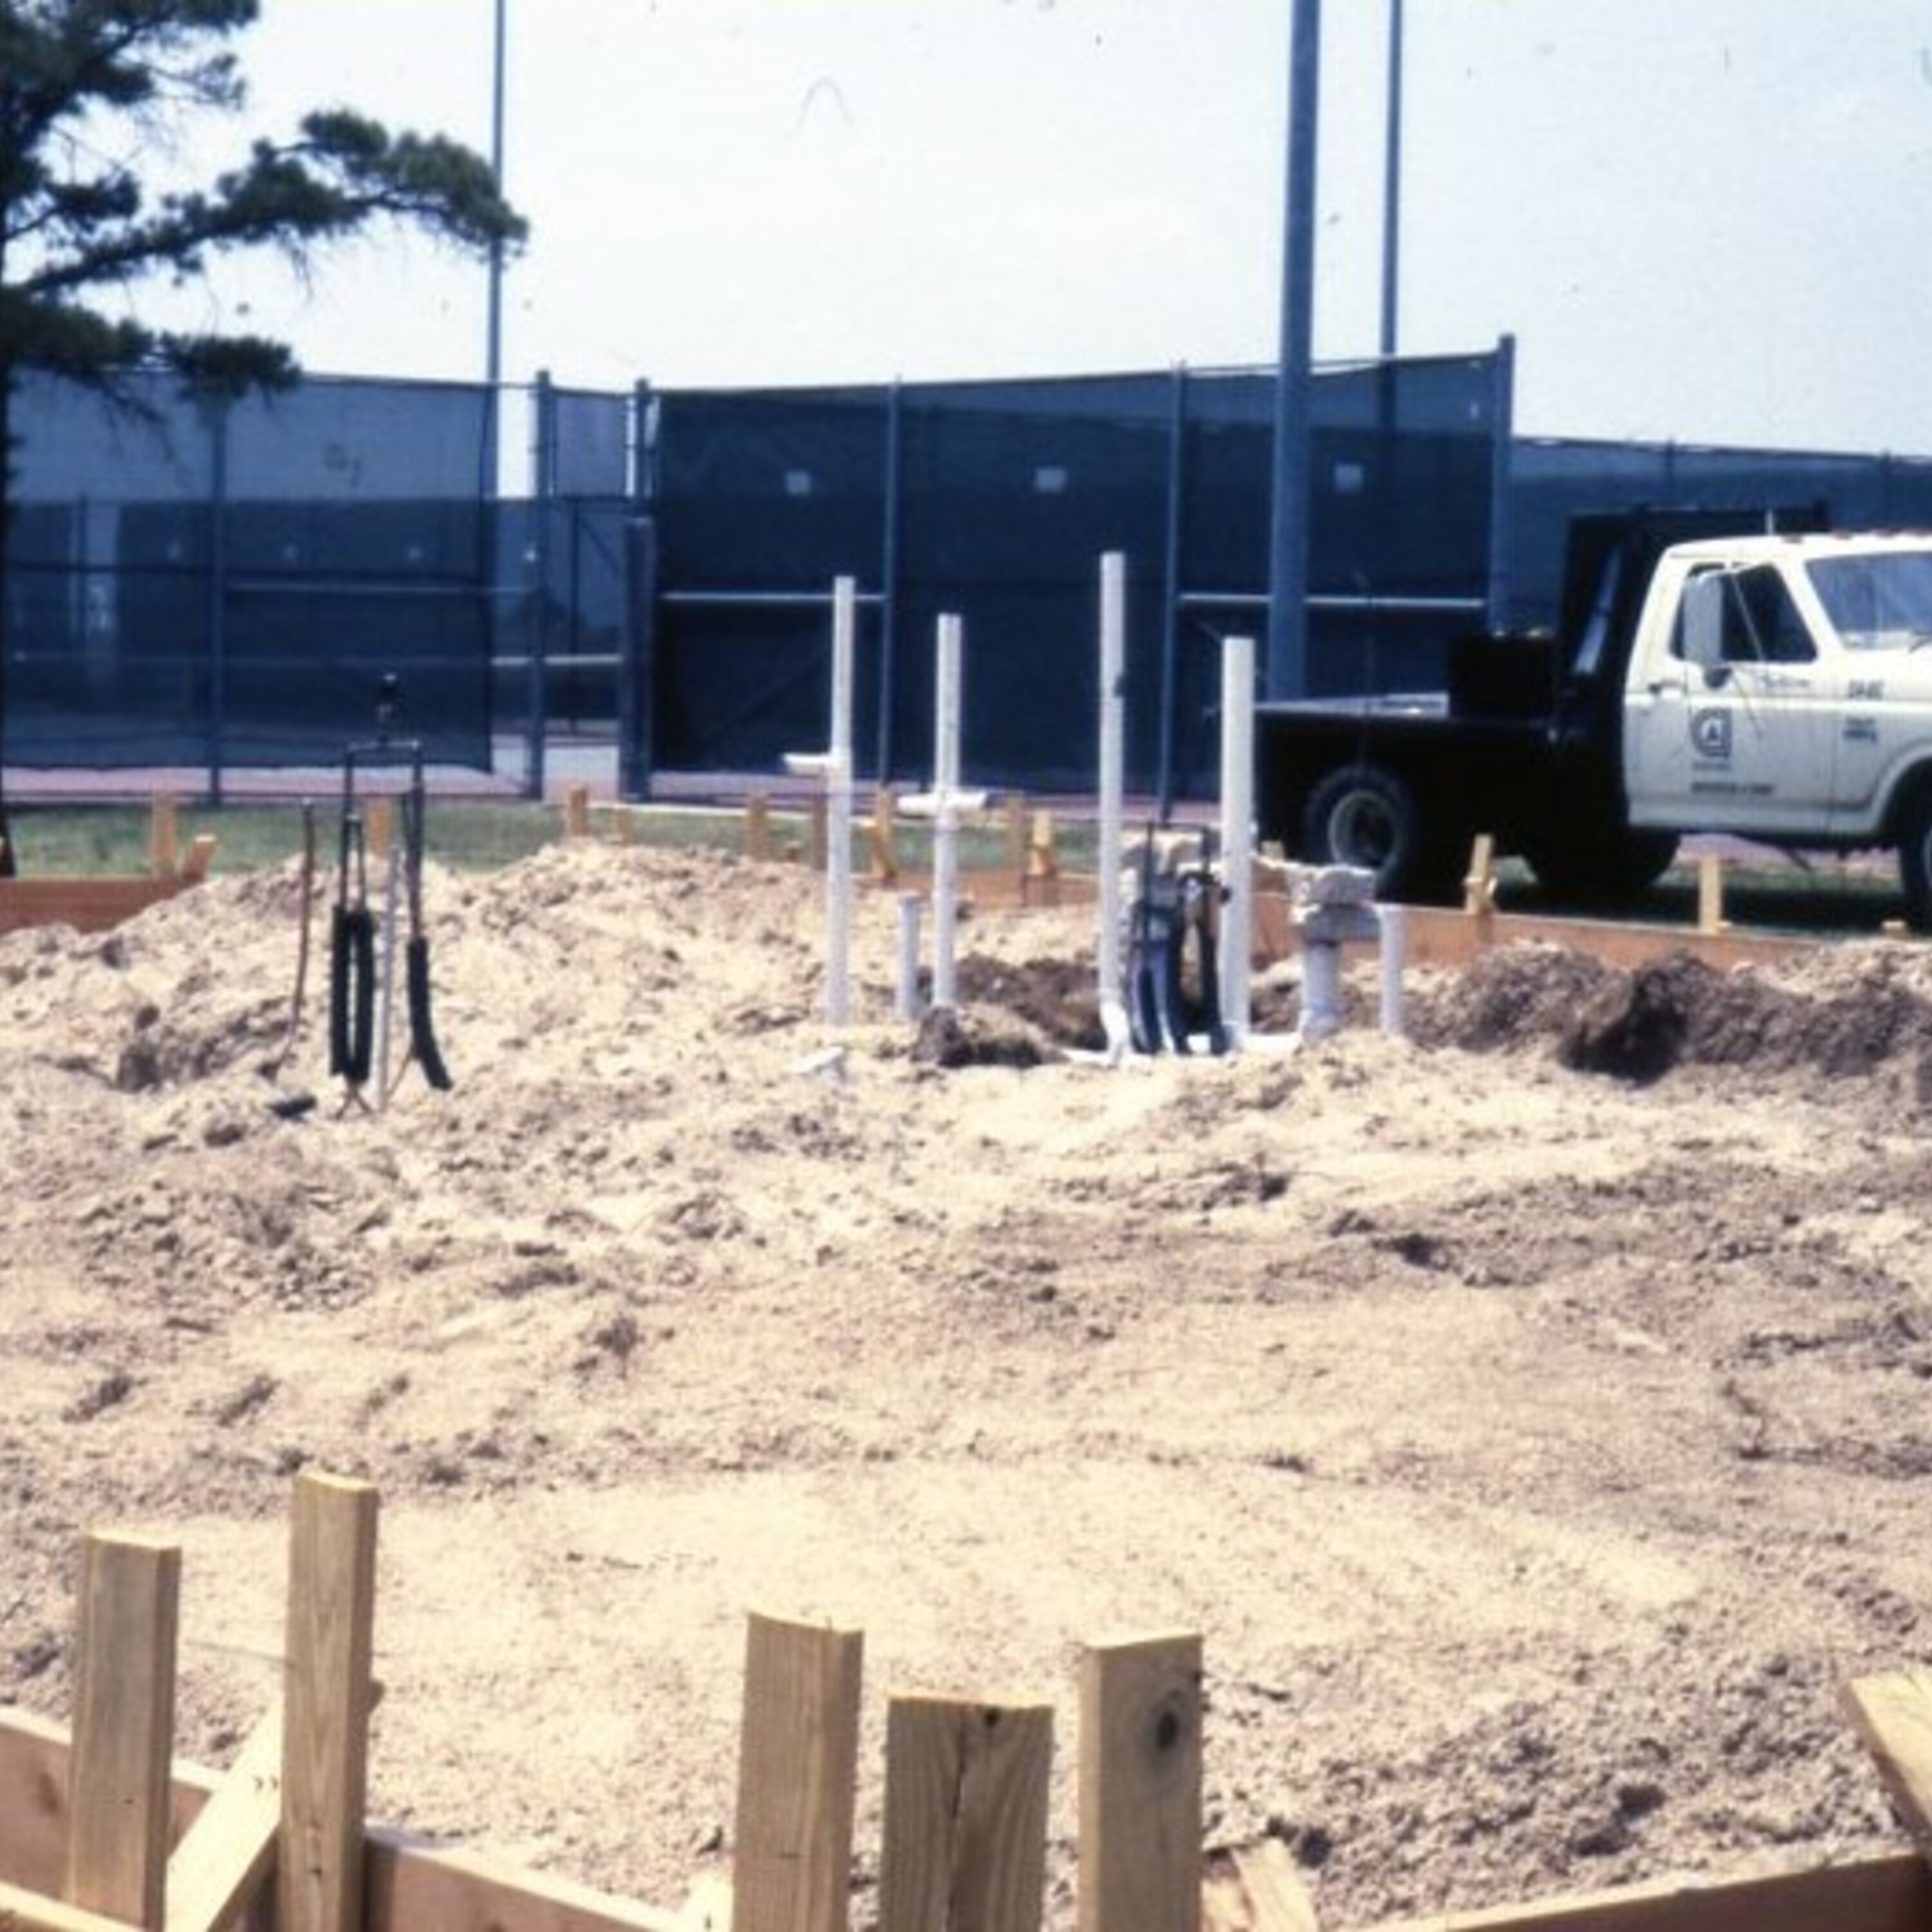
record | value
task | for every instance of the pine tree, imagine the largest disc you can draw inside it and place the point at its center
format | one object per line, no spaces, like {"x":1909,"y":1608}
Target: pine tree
{"x":78,"y":224}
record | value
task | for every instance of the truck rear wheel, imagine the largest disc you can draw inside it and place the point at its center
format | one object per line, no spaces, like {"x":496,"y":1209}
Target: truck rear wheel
{"x":1601,"y":870}
{"x":1365,"y":816}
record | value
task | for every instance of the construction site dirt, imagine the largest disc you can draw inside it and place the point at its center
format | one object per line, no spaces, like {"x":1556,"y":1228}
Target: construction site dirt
{"x":1529,"y":1411}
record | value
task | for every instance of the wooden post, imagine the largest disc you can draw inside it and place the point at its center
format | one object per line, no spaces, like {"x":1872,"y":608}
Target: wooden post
{"x":1141,"y":1827}
{"x":797,"y":1779}
{"x":164,"y":837}
{"x":328,"y":1695}
{"x":119,"y":1791}
{"x":577,"y":812}
{"x":1710,"y":893}
{"x":1041,"y":885}
{"x":1479,"y":889}
{"x":1016,"y":839}
{"x":965,"y":1845}
{"x":758,"y":827}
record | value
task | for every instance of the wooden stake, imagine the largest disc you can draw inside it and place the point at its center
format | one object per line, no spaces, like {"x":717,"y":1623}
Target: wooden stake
{"x":1479,"y":889}
{"x":328,"y":1695}
{"x":577,"y":812}
{"x":758,"y":827}
{"x":965,"y":1816}
{"x":1140,"y":1786}
{"x":797,"y":1779}
{"x":1710,"y":893}
{"x":119,"y":1789}
{"x":162,"y":837}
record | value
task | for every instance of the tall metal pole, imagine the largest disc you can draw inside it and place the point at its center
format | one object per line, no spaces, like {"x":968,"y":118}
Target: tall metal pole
{"x":1288,"y":560}
{"x":1392,"y":187}
{"x":493,"y":346}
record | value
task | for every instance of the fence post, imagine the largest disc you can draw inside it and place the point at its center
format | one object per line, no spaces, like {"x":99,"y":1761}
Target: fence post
{"x":330,"y":1643}
{"x":1140,"y":1828}
{"x":965,"y":1817}
{"x":119,"y":1793}
{"x":797,"y":1778}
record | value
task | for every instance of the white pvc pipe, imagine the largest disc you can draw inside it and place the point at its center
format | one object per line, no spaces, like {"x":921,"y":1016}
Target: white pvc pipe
{"x":1113,"y":736}
{"x":906,"y":1005}
{"x":1321,"y":989}
{"x":386,"y":982}
{"x":1238,"y":860}
{"x":1395,"y":955}
{"x":946,"y":829}
{"x":838,"y":809}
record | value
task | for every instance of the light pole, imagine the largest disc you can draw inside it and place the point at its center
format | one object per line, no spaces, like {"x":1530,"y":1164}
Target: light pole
{"x":1288,"y":550}
{"x":493,"y":339}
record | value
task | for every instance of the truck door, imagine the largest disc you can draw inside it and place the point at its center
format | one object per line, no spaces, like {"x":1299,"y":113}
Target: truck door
{"x":1737,"y":731}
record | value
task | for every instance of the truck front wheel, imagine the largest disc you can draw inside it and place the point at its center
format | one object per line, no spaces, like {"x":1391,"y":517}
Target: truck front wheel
{"x":1365,"y":816}
{"x":1914,"y":858}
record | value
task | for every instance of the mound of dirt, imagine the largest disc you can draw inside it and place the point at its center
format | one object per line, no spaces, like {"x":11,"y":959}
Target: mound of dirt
{"x":1529,"y":1413}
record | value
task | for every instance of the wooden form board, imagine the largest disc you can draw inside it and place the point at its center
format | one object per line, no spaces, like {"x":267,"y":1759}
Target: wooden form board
{"x":331,"y":1633}
{"x":119,"y":1820}
{"x":797,"y":1778}
{"x":965,"y":1845}
{"x":1139,"y":1780}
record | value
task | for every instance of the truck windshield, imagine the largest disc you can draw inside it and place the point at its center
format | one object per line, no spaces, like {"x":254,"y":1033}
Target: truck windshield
{"x":1878,"y":601}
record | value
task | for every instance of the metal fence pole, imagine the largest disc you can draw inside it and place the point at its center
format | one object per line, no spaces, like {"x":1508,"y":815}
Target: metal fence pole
{"x":217,"y":596}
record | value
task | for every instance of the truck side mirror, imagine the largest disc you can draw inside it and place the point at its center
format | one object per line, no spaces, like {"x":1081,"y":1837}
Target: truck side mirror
{"x":1704,"y":620}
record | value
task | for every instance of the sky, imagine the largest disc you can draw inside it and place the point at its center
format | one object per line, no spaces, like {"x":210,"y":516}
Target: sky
{"x":1707,"y":221}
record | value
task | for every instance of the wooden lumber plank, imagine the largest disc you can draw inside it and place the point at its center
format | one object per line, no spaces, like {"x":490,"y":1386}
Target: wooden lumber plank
{"x":1889,"y":1894}
{"x":1891,"y":1712}
{"x":226,"y":1854}
{"x":1256,"y":1888}
{"x":124,"y":1715}
{"x":22,"y":1911}
{"x":327,"y":1699}
{"x":797,"y":1778}
{"x":1441,"y":936}
{"x":413,"y":1886}
{"x":35,"y":1754}
{"x":87,"y":905}
{"x":964,"y":1842}
{"x":1140,"y":1785}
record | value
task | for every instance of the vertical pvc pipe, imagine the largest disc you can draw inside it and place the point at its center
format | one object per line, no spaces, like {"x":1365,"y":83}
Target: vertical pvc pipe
{"x":1113,"y":738}
{"x":1395,"y":958}
{"x":945,"y":831}
{"x":385,"y":978}
{"x":839,"y":814}
{"x":906,"y":1007}
{"x":1237,"y":812}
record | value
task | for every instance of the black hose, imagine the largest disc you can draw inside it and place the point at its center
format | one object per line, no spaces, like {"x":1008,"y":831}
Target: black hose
{"x":361,"y":950}
{"x":339,"y":968}
{"x":422,"y":1031}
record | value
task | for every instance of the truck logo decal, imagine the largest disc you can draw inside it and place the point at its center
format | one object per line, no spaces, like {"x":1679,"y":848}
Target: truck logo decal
{"x":1710,"y":734}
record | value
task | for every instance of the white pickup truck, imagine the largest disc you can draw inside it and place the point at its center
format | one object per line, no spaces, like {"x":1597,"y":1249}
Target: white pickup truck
{"x":1776,"y":686}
